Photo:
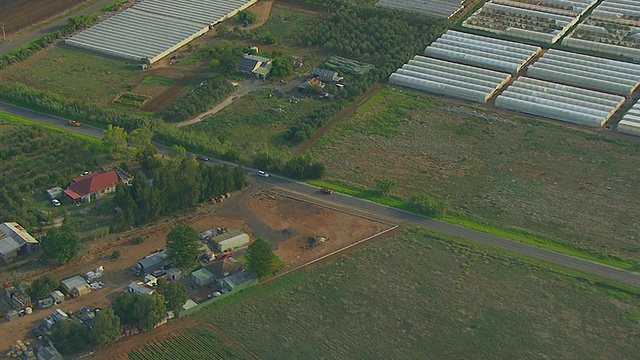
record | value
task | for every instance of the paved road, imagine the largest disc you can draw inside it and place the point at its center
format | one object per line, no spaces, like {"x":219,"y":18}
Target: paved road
{"x":371,"y":208}
{"x":48,"y":28}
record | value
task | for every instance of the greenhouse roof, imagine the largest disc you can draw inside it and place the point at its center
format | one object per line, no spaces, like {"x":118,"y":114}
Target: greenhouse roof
{"x":618,"y":10}
{"x":520,"y":22}
{"x":438,"y":8}
{"x":610,"y":76}
{"x":559,"y":102}
{"x":630,"y":123}
{"x":449,"y":78}
{"x":481,"y":51}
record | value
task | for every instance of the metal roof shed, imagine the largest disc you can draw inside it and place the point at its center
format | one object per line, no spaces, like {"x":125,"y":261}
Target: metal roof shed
{"x":68,"y":285}
{"x":232,"y":240}
{"x":202,"y":277}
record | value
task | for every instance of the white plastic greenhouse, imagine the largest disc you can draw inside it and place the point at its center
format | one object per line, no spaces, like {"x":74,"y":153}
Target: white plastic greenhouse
{"x":562,"y":7}
{"x":630,"y":123}
{"x":438,"y":8}
{"x":521,"y":22}
{"x":448,"y":78}
{"x":153,"y":29}
{"x":590,"y":72}
{"x":559,"y":102}
{"x":618,"y":9}
{"x":481,"y":51}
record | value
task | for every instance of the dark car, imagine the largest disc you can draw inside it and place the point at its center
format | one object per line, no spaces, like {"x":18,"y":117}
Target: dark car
{"x":203,"y":158}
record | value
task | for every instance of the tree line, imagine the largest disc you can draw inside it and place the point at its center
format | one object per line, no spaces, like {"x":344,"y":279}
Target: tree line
{"x":171,"y":187}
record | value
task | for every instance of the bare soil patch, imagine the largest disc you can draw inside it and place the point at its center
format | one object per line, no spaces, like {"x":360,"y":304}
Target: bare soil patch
{"x":19,"y":14}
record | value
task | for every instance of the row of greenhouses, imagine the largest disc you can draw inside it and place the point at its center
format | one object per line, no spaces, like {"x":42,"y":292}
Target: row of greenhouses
{"x":630,"y":123}
{"x":520,"y":22}
{"x":448,"y":78}
{"x":559,"y":102}
{"x":437,"y":8}
{"x":562,"y":7}
{"x":152,"y":29}
{"x":591,"y":72}
{"x":482,"y":51}
{"x":621,"y":10}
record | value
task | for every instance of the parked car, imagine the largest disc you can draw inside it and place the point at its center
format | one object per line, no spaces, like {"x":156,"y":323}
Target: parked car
{"x":74,"y":123}
{"x":262,"y":173}
{"x":326,"y":191}
{"x":85,"y":173}
{"x":202,"y":158}
{"x":55,"y":202}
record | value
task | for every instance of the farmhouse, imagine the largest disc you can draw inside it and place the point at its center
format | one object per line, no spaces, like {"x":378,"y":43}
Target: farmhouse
{"x":75,"y":286}
{"x":95,"y":185}
{"x":257,"y":66}
{"x":15,"y":240}
{"x":325,"y":75}
{"x":234,"y":239}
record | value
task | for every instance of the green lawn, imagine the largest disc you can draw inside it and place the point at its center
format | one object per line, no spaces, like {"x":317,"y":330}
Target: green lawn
{"x":496,"y":169}
{"x":424,"y":296}
{"x":74,"y":73}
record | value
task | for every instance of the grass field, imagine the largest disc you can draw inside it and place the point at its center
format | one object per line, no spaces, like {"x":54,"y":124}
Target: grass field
{"x":420,"y":296}
{"x":504,"y":171}
{"x":257,"y":121}
{"x":74,"y":73}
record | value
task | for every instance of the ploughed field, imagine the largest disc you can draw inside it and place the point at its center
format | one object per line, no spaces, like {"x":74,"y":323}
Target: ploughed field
{"x":19,"y":14}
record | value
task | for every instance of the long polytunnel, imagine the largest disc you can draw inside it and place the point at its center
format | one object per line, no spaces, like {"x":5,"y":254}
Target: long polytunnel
{"x":630,"y":123}
{"x":448,"y":78}
{"x":559,"y":102}
{"x":610,"y":76}
{"x":152,"y":29}
{"x":481,"y":51}
{"x":438,"y":8}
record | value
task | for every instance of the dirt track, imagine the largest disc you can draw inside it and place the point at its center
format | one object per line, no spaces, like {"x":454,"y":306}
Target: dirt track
{"x":19,"y":14}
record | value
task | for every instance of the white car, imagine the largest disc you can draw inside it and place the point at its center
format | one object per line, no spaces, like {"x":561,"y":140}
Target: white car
{"x":55,"y":202}
{"x":262,"y":173}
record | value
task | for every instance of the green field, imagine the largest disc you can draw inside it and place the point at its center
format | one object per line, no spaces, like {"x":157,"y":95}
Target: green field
{"x":74,"y":73}
{"x":257,"y":121}
{"x":423,"y":296}
{"x":188,"y":344}
{"x":569,"y":187}
{"x":34,"y":159}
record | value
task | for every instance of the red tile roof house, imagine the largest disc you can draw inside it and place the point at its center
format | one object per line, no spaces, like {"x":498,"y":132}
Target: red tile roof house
{"x":93,"y":186}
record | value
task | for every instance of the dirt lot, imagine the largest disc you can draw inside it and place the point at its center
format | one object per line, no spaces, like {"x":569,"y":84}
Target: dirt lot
{"x":19,"y":14}
{"x":286,"y":223}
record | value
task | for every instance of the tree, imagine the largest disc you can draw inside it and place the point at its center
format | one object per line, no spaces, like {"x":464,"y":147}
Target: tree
{"x":281,"y":67}
{"x":182,"y":246}
{"x":69,"y":338}
{"x":177,"y":152}
{"x":139,"y":138}
{"x":426,"y":204}
{"x":106,"y":328}
{"x":115,"y":138}
{"x":42,"y":287}
{"x":247,"y":16}
{"x":149,"y":310}
{"x":174,"y":293}
{"x":123,"y":307}
{"x":385,"y":185}
{"x":260,"y":258}
{"x":62,"y":243}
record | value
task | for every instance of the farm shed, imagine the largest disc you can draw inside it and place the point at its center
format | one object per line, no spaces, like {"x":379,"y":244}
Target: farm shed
{"x":521,"y":22}
{"x":57,"y":296}
{"x":202,"y":277}
{"x":481,"y":51}
{"x":630,"y":123}
{"x":153,"y":29}
{"x":54,"y":192}
{"x":150,"y":263}
{"x":75,"y":286}
{"x":559,"y":102}
{"x":448,"y":78}
{"x":437,"y":8}
{"x":589,"y":72}
{"x":15,"y":240}
{"x":234,"y":239}
{"x":238,"y":281}
{"x":139,"y":288}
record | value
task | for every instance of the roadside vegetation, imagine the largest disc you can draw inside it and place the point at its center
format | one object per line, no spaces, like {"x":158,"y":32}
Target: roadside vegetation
{"x":439,"y":297}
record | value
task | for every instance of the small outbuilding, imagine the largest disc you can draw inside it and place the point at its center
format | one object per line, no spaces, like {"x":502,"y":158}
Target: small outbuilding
{"x":57,"y":296}
{"x":75,"y":286}
{"x":202,"y":277}
{"x":233,"y":240}
{"x":238,"y":281}
{"x":54,"y":192}
{"x":140,"y":288}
